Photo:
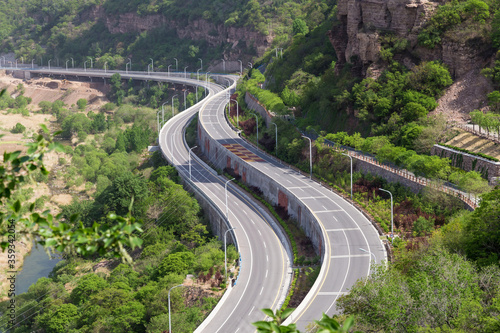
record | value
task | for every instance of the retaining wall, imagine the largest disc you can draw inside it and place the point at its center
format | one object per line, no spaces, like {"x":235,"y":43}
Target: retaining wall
{"x":469,"y":162}
{"x":275,"y":193}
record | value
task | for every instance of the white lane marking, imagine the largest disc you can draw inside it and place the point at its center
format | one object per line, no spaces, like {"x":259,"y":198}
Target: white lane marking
{"x":265,"y":245}
{"x":266,"y":272}
{"x":314,"y":198}
{"x":335,"y":218}
{"x":253,"y":307}
{"x":252,"y":221}
{"x":236,"y":203}
{"x":259,"y":232}
{"x":349,"y":256}
{"x":296,"y":187}
{"x":346,"y":229}
{"x":245,"y":212}
{"x":327,"y":211}
{"x":324,"y":207}
{"x":267,"y":257}
{"x":333,"y":293}
{"x":261,"y":291}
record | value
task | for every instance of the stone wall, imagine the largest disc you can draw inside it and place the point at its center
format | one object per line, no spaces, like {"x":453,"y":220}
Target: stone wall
{"x":470,"y":162}
{"x":254,"y":104}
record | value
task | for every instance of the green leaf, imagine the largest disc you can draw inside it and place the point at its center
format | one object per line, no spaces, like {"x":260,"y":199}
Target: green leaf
{"x":17,"y":206}
{"x":263,"y":325}
{"x":269,"y":312}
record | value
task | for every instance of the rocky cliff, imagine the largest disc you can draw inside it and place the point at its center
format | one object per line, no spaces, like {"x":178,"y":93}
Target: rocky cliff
{"x":198,"y":29}
{"x":357,"y":38}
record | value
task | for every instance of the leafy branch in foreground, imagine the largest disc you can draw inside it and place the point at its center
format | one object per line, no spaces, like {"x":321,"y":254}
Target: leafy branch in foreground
{"x":51,"y":231}
{"x":325,"y":325}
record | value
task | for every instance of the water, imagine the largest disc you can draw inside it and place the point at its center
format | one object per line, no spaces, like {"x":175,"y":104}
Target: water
{"x":36,"y":264}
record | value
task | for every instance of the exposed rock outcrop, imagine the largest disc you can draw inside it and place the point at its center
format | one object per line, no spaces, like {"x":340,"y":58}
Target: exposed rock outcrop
{"x":356,"y":39}
{"x":200,"y":29}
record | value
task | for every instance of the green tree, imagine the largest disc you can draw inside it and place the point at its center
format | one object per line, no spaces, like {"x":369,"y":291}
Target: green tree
{"x":177,"y":263}
{"x":87,"y":285}
{"x":19,"y":128}
{"x":430,"y":78}
{"x":82,"y":103}
{"x":58,"y":319}
{"x":299,"y":27}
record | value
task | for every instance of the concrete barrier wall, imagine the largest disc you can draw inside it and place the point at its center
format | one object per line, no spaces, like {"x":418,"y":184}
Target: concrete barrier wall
{"x":275,"y":193}
{"x":469,"y":162}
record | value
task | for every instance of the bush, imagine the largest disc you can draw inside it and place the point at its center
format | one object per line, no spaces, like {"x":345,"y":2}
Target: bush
{"x":19,"y":128}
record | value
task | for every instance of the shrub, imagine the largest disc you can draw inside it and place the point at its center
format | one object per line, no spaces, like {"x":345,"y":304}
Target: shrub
{"x":19,"y":128}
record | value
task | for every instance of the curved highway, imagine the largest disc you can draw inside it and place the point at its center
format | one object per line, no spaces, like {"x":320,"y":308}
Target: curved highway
{"x":350,"y":241}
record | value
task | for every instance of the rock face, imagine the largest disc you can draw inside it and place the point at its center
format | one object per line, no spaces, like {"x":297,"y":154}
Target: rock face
{"x":198,"y":29}
{"x":356,"y":39}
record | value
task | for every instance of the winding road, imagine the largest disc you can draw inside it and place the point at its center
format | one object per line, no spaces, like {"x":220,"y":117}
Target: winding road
{"x":351,"y":243}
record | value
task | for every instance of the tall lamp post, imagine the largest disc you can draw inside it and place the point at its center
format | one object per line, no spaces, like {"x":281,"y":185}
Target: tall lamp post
{"x":185,"y":74}
{"x":276,"y":126}
{"x":67,"y":65}
{"x":351,"y":169}
{"x":49,"y":63}
{"x":168,"y":70}
{"x":237,"y":112}
{"x":225,"y":191}
{"x":189,"y":158}
{"x":201,"y":63}
{"x":392,"y":212}
{"x":105,"y":68}
{"x":257,"y":122}
{"x":72,"y":63}
{"x":185,"y":106}
{"x":310,"y":156}
{"x":163,"y":112}
{"x":173,"y":105}
{"x":158,"y":122}
{"x":206,"y":82}
{"x":152,"y":65}
{"x":169,"y":312}
{"x":85,"y":66}
{"x":176,"y":65}
{"x":223,"y":65}
{"x":198,"y":74}
{"x":225,"y":252}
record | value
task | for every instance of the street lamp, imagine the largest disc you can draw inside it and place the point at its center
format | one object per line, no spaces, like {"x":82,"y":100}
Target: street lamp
{"x":49,"y":63}
{"x":91,"y":63}
{"x":189,"y":158}
{"x":168,"y":70}
{"x":176,"y":65}
{"x":374,"y":259}
{"x":67,"y":64}
{"x":169,"y":313}
{"x":250,"y":65}
{"x":105,"y":69}
{"x":32,"y":63}
{"x":72,"y":63}
{"x":257,"y":121}
{"x":85,"y":66}
{"x":173,"y":105}
{"x":223,"y":65}
{"x":201,"y":63}
{"x":129,"y":64}
{"x":310,"y":156}
{"x":276,"y":138}
{"x":351,"y":169}
{"x":392,"y":210}
{"x":241,"y":67}
{"x":198,"y":74}
{"x":158,"y":122}
{"x":152,"y":65}
{"x":225,"y":191}
{"x":237,"y":112}
{"x":185,"y":74}
{"x":163,"y":112}
{"x":225,"y":252}
{"x":206,"y":83}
